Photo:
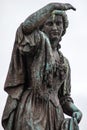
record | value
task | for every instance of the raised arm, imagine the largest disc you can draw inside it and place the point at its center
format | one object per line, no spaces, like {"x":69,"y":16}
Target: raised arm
{"x":38,"y":18}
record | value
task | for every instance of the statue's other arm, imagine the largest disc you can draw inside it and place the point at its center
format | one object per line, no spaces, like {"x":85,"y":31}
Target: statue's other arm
{"x":66,"y":101}
{"x":39,"y":17}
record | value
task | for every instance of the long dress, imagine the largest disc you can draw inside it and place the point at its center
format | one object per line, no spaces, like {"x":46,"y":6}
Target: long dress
{"x":36,"y":86}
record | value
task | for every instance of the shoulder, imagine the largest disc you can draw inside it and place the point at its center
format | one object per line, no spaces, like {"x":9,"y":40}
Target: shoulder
{"x":65,"y":60}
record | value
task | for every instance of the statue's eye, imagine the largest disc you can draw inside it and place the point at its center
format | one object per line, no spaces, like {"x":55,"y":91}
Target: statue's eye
{"x":49,"y":23}
{"x":58,"y":23}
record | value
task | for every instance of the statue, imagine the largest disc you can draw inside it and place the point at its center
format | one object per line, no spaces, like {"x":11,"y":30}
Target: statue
{"x":38,"y":79}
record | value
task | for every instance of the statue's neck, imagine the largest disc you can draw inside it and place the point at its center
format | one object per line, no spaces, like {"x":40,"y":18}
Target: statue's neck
{"x":55,"y":45}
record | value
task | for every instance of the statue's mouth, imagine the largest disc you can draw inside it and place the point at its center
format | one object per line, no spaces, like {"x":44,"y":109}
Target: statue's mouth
{"x":55,"y":33}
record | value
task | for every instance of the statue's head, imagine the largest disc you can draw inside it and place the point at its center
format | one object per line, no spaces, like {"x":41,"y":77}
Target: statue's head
{"x":55,"y":26}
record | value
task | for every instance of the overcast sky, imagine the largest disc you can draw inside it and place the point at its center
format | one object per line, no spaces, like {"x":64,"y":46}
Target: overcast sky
{"x":74,"y":45}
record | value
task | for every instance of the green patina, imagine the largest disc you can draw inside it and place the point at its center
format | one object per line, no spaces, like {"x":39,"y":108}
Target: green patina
{"x":48,"y":67}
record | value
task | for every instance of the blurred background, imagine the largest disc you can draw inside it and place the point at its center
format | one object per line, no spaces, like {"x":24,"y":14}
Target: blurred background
{"x":74,"y":45}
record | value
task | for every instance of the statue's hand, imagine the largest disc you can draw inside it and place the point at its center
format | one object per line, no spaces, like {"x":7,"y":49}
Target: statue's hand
{"x":63,"y":6}
{"x":77,"y":115}
{"x":69,"y":6}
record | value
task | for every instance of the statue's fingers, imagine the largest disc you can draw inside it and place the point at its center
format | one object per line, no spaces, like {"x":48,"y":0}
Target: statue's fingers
{"x":69,"y":6}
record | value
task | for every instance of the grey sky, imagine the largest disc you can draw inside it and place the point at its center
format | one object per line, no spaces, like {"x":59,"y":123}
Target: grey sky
{"x":74,"y":46}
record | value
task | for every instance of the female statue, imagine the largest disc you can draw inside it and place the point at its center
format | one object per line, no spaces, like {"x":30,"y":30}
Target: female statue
{"x":38,"y":80}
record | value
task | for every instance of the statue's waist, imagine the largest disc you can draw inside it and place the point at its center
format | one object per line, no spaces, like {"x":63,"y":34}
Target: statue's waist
{"x":47,"y":94}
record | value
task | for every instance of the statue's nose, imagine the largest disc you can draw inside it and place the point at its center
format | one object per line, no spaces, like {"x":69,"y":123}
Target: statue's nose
{"x":54,"y":26}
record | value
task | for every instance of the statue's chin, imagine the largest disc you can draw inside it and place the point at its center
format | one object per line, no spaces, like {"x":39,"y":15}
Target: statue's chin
{"x":55,"y":38}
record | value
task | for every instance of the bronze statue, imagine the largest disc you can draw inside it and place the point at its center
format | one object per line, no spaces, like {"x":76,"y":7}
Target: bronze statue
{"x":38,"y":80}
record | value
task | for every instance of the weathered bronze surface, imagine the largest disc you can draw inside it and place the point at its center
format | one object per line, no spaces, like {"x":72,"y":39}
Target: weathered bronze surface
{"x":38,"y":80}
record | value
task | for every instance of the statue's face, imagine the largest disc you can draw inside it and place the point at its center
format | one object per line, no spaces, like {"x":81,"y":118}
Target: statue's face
{"x":53,"y":27}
